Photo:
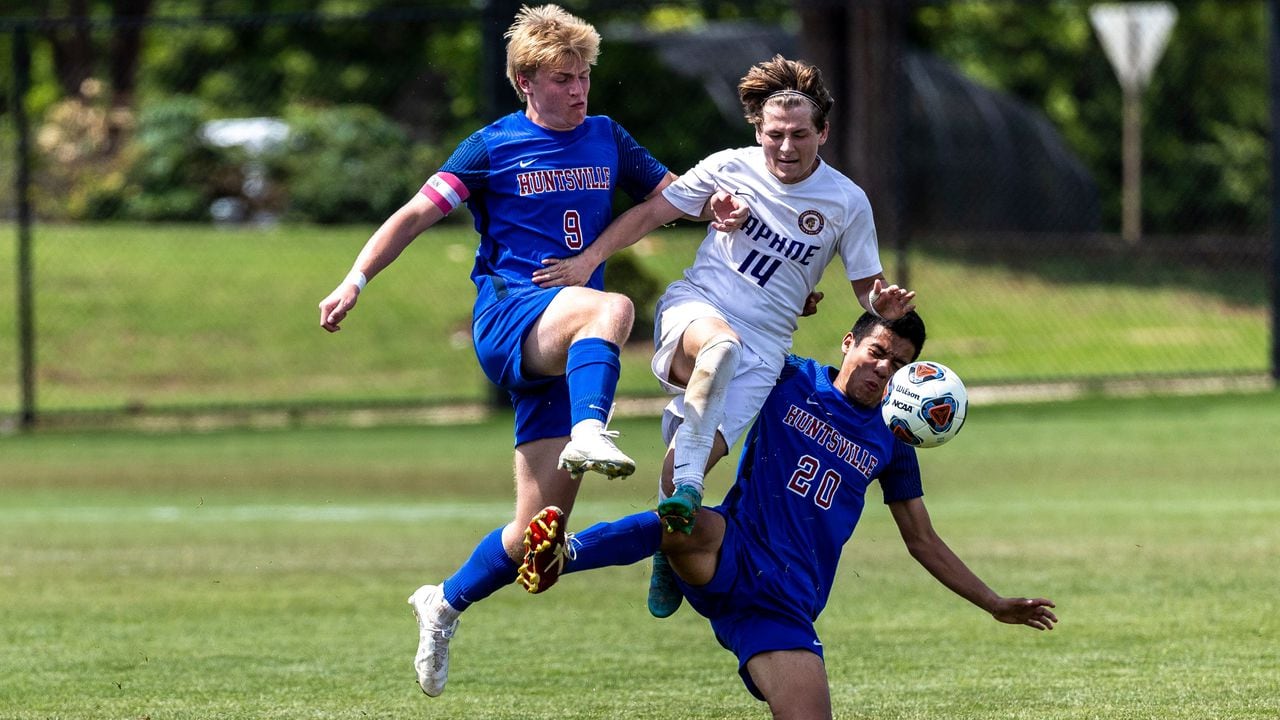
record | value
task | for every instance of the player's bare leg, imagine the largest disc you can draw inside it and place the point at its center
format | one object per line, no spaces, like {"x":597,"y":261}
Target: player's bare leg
{"x":794,"y":683}
{"x":539,"y":484}
{"x":579,"y":335}
{"x":665,"y":597}
{"x":545,"y":496}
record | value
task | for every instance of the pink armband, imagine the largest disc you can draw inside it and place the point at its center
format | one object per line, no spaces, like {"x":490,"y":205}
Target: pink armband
{"x":446,"y":191}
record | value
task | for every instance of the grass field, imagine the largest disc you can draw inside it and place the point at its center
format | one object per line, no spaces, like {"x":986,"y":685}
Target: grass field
{"x":146,"y":316}
{"x":254,"y":575}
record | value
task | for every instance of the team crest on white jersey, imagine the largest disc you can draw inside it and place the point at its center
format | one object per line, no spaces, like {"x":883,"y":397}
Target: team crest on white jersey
{"x":811,"y":222}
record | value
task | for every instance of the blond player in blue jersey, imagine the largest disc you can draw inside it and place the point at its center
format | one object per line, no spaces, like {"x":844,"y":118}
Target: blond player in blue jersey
{"x":725,"y":328}
{"x":539,"y":183}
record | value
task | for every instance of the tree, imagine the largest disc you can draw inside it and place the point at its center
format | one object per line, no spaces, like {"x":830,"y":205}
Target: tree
{"x":858,"y":47}
{"x":1206,"y":126}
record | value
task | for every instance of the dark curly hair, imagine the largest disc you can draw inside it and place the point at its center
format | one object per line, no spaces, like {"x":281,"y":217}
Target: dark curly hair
{"x":909,"y":327}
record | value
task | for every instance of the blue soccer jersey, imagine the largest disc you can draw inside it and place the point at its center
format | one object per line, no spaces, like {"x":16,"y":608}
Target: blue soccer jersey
{"x":802,"y":483}
{"x":537,"y":193}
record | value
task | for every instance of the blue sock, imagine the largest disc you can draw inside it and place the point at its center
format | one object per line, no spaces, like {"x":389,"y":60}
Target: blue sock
{"x":621,"y":542}
{"x":487,"y":570}
{"x":592,"y":373}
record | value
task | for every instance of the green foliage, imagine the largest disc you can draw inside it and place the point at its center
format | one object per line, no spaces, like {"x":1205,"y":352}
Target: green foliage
{"x":79,"y":170}
{"x":1209,"y":159}
{"x":251,"y":69}
{"x":1206,"y":127}
{"x":340,"y":164}
{"x":345,"y":164}
{"x":680,"y":133}
{"x":625,"y":274}
{"x":455,"y":61}
{"x":1206,"y":114}
{"x":173,"y":173}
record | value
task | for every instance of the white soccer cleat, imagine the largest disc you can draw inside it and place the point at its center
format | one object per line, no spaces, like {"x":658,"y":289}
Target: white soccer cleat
{"x":595,"y":451}
{"x":432,"y":660}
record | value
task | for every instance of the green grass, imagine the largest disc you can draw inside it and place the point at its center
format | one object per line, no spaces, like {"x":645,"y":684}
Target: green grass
{"x":144,"y":316}
{"x":249,"y":575}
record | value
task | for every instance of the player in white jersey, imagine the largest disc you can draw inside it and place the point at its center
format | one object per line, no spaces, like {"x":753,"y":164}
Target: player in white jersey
{"x":724,"y":329}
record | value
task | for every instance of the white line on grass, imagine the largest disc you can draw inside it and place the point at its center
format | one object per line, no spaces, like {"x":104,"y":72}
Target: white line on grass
{"x":494,"y":512}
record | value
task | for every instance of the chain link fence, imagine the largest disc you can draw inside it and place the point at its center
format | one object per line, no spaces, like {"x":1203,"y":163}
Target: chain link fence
{"x":198,"y":182}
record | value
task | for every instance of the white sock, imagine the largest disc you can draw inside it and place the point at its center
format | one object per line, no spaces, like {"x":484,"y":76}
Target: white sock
{"x":692,"y":451}
{"x":445,"y":612}
{"x":704,"y":400}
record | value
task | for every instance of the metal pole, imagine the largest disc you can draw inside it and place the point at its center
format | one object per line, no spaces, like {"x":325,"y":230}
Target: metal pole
{"x":1131,"y":194}
{"x":1273,"y":51}
{"x":1131,"y":222}
{"x":25,"y":300}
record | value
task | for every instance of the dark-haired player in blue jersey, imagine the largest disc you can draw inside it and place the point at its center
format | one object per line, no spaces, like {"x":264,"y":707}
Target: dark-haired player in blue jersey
{"x":540,"y":184}
{"x":761,"y":565}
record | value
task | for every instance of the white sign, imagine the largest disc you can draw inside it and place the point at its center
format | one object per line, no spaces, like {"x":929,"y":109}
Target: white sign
{"x":1134,"y":37}
{"x":253,"y":134}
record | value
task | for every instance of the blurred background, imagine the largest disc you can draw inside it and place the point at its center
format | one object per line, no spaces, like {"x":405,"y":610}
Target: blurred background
{"x":1081,"y":194}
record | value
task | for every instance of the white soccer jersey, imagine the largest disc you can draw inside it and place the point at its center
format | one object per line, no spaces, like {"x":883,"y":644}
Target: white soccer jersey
{"x":760,"y":275}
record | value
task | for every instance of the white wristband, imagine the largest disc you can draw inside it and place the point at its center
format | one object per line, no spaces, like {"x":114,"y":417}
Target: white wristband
{"x":871,"y":303}
{"x":357,"y":278}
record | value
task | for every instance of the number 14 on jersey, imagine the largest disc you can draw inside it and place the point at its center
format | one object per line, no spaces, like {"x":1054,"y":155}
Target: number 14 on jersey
{"x":759,"y":267}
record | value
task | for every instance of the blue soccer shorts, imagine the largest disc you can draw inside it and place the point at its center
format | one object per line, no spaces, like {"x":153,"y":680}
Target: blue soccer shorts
{"x":749,"y":603}
{"x":501,"y":320}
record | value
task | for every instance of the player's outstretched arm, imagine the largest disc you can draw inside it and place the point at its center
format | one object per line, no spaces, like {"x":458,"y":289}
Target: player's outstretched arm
{"x":1032,"y":612}
{"x":624,"y":231}
{"x":890,"y":302}
{"x":383,"y":247}
{"x":930,"y":551}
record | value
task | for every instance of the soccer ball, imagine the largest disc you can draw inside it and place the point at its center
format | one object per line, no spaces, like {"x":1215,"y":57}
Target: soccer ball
{"x":925,"y":404}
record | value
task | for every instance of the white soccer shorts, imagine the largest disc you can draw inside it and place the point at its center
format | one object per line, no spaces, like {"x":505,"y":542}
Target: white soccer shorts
{"x":757,"y":371}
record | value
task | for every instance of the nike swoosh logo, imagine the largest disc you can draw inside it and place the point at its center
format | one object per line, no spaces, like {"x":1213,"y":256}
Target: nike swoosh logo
{"x":682,"y":465}
{"x":526,"y":163}
{"x":818,"y":643}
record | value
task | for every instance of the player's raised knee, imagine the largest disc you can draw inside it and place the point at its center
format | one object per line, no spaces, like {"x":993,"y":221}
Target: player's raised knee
{"x":721,"y":346}
{"x":618,"y":306}
{"x":619,"y":313}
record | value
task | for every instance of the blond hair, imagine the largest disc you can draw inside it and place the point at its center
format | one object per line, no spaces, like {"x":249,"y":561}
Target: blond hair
{"x":786,"y":84}
{"x":547,"y":35}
